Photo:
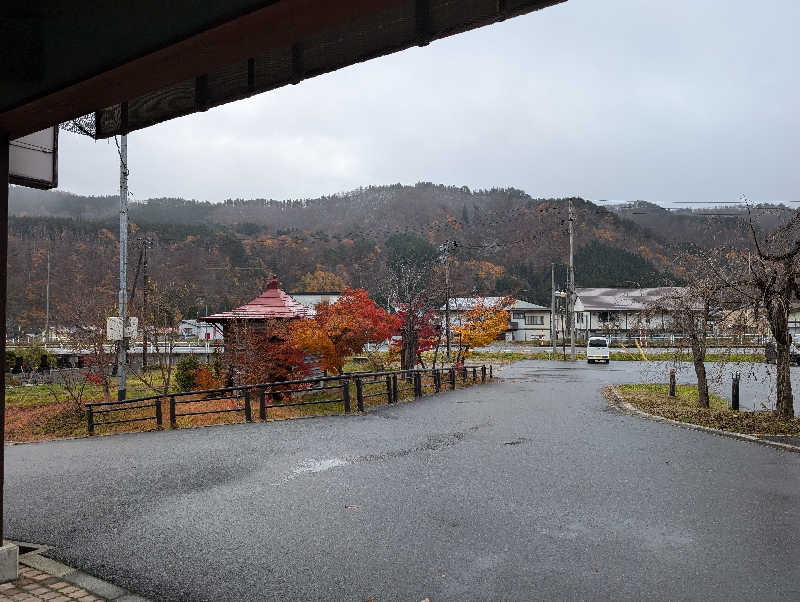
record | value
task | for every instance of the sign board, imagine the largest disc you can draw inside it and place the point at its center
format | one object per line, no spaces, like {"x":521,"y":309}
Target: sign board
{"x":33,"y":159}
{"x":114,"y":328}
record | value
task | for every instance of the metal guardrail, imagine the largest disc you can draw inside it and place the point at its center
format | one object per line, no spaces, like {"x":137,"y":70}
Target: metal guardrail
{"x":283,"y":394}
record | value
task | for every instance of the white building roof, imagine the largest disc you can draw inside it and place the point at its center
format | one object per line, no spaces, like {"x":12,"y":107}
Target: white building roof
{"x":467,"y":303}
{"x":313,"y":299}
{"x":620,"y":299}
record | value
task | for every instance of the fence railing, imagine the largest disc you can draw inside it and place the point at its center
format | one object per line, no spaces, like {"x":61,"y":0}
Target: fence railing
{"x":392,"y":386}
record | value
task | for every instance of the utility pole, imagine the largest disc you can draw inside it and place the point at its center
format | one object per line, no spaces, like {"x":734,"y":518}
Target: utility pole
{"x":444,"y":250}
{"x":4,"y":159}
{"x":47,"y":304}
{"x":571,"y":292}
{"x":447,"y":305}
{"x":123,"y":266}
{"x":146,"y":244}
{"x":553,"y":306}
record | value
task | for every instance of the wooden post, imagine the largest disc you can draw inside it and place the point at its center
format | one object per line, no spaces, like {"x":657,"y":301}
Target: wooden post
{"x":4,"y":169}
{"x":90,"y":420}
{"x":417,"y":384}
{"x":672,"y":382}
{"x":359,"y":394}
{"x":346,"y":394}
{"x":395,"y":391}
{"x":262,"y":404}
{"x":452,"y":379}
{"x":483,"y":374}
{"x":388,"y":389}
{"x":735,"y":393}
{"x":248,"y":412}
{"x":474,"y":375}
{"x":172,"y":421}
{"x":490,"y":372}
{"x":159,"y":420}
{"x":437,"y":385}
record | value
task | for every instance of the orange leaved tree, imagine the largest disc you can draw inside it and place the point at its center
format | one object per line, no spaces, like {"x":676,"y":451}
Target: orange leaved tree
{"x":341,"y":329}
{"x":481,"y":325}
{"x":263,"y":352}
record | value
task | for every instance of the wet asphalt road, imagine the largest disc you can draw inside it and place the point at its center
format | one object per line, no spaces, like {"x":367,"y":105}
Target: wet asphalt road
{"x":529,"y":488}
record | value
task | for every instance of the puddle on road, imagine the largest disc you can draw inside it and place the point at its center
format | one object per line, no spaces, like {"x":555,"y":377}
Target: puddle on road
{"x":434,"y":443}
{"x":314,"y":466}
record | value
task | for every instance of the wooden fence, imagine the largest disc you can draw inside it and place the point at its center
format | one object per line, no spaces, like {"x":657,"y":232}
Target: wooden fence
{"x":363,"y":388}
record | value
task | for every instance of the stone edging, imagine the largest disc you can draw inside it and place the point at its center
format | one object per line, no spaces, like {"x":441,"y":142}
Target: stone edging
{"x":93,"y":585}
{"x":615,"y":400}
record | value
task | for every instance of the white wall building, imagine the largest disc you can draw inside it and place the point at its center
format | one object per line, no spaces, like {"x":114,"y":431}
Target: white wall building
{"x":312,"y":299}
{"x":529,"y":322}
{"x":620,"y":311}
{"x":190,"y":329}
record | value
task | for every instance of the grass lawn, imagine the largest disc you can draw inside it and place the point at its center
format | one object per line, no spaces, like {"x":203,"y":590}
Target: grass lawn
{"x":22,"y":395}
{"x":654,"y":399}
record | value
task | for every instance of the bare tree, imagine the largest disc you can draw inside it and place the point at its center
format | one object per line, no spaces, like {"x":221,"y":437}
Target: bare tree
{"x":159,"y":321}
{"x":415,"y":286}
{"x":692,"y":311}
{"x":771,"y":279}
{"x":85,"y":311}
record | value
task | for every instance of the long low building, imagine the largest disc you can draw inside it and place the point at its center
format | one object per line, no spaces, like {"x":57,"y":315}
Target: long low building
{"x":625,"y":311}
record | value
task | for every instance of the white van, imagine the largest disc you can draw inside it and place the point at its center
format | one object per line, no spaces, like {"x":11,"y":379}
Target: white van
{"x":597,"y":350}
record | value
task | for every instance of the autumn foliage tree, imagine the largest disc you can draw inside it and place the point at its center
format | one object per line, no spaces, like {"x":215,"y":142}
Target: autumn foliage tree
{"x":426,"y":329}
{"x":481,"y":325}
{"x":320,"y":280}
{"x":262,"y":352}
{"x":411,"y":270}
{"x":341,"y":329}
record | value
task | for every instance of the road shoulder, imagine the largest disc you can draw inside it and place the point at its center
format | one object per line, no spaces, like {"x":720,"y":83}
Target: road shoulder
{"x":615,"y":401}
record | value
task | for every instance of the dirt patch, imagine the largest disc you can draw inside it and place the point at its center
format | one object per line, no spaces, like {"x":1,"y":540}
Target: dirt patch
{"x":43,"y":422}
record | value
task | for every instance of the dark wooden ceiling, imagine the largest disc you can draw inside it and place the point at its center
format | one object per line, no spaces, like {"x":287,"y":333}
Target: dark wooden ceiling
{"x":136,"y":63}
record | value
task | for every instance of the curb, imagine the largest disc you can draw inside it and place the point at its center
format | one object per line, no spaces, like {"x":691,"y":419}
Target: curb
{"x":614,"y":400}
{"x":95,"y":586}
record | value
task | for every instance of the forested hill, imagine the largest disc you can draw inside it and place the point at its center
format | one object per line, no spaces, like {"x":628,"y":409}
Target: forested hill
{"x":225,"y":251}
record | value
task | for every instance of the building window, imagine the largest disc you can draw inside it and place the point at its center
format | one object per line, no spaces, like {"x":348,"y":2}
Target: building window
{"x":518,"y":315}
{"x":531,"y":320}
{"x":579,"y":317}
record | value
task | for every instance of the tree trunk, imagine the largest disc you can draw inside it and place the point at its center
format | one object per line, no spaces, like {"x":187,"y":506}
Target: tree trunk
{"x":408,"y":351}
{"x":702,"y":381}
{"x":697,"y":333}
{"x":784,"y":406}
{"x":408,"y":344}
{"x":779,"y":324}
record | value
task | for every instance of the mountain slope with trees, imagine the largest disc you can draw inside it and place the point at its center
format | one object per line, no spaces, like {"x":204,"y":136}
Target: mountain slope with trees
{"x":504,"y":243}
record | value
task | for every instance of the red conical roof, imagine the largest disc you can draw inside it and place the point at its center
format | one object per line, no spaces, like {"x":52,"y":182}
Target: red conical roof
{"x":272,"y":303}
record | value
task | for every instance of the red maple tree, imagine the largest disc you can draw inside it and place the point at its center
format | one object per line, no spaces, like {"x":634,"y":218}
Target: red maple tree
{"x":341,"y":329}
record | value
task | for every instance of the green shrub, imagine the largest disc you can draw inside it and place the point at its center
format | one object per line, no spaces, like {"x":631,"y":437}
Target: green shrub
{"x":32,"y":355}
{"x":185,"y":372}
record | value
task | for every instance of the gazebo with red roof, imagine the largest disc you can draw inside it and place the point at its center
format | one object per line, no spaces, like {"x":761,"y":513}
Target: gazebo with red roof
{"x":273,"y":304}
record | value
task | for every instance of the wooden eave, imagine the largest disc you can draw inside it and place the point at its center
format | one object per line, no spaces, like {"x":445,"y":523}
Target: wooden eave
{"x":281,"y":43}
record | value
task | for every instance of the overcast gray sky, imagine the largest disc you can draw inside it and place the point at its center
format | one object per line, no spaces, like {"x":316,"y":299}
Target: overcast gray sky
{"x":687,"y":100}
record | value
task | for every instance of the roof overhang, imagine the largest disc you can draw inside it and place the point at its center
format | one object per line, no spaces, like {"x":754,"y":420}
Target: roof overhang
{"x":139,"y":63}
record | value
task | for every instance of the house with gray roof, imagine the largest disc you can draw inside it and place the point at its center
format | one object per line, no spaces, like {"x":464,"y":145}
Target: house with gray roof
{"x":313,"y":298}
{"x":529,"y":322}
{"x":621,"y":311}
